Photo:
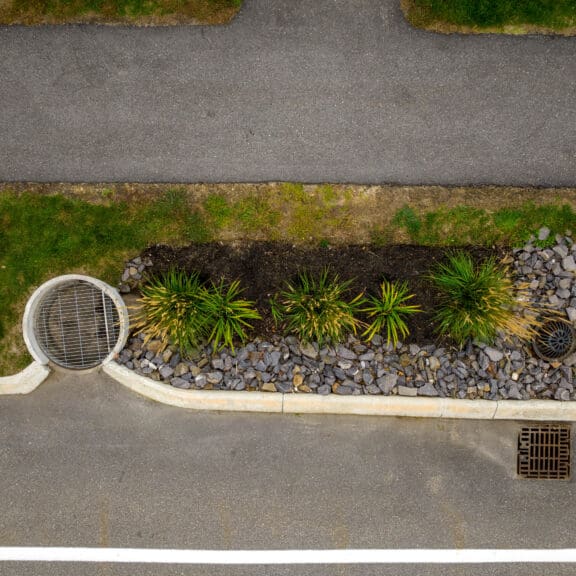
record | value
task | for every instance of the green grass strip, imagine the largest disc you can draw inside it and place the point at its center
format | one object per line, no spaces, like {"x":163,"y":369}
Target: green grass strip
{"x":553,"y":14}
{"x":114,"y":11}
{"x":43,"y":236}
{"x":466,"y":225}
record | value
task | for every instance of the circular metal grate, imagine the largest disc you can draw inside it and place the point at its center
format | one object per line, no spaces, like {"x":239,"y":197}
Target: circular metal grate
{"x":555,"y":340}
{"x":75,"y":322}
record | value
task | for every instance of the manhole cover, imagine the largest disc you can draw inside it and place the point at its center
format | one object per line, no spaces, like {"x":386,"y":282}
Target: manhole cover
{"x":544,"y":452}
{"x":75,"y":322}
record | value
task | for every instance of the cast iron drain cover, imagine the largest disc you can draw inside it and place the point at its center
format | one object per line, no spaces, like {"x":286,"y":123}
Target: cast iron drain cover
{"x":544,"y":452}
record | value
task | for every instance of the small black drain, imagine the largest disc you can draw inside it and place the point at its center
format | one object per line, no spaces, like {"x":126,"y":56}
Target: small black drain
{"x":555,"y":340}
{"x":544,"y":452}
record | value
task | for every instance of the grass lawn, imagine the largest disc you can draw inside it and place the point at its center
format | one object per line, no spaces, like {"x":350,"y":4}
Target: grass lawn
{"x":508,"y":16}
{"x":53,"y":229}
{"x":138,"y":12}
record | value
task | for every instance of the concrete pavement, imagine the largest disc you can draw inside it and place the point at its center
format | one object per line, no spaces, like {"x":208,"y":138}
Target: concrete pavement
{"x":306,"y":90}
{"x":86,"y":463}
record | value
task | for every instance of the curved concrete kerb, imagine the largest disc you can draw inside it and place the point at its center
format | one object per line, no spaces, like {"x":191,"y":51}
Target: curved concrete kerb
{"x":543,"y":410}
{"x":26,"y":381}
{"x":194,"y":399}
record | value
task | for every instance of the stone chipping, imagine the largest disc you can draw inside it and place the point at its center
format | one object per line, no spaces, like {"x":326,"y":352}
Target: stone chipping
{"x":503,"y":370}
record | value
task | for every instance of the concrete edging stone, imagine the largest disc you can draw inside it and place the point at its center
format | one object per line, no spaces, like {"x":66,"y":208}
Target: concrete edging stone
{"x":194,"y":399}
{"x":543,"y":410}
{"x":26,"y":381}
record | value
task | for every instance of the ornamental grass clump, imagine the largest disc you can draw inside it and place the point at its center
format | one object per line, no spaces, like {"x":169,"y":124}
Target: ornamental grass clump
{"x":178,"y":308}
{"x":316,"y":309}
{"x":388,"y":311}
{"x":171,"y":310}
{"x":479,"y":300}
{"x":227,"y":315}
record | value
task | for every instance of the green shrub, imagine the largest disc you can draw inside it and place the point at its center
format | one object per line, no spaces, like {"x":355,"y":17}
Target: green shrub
{"x":227,"y":315}
{"x":316,"y":309}
{"x":171,"y":309}
{"x":388,"y":311}
{"x":177,"y":307}
{"x":479,"y":301}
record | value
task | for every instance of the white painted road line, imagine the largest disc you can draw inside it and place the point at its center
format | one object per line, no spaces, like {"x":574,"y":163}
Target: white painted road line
{"x":406,"y":556}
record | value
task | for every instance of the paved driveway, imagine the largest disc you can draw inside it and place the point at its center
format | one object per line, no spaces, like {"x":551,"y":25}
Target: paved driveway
{"x":305,"y":90}
{"x":86,"y":463}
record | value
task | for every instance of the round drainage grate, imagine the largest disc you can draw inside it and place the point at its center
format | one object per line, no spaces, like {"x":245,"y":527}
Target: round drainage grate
{"x":75,"y":322}
{"x":555,"y":340}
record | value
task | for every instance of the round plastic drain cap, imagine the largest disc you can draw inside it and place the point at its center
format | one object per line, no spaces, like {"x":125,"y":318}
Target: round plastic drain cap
{"x":75,"y":322}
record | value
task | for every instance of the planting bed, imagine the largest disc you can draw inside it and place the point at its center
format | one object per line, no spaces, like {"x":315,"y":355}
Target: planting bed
{"x":263,"y":267}
{"x":422,"y":365}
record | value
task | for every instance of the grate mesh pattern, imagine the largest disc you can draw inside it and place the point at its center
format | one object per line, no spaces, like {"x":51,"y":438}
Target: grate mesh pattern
{"x":77,"y":325}
{"x":555,"y":340}
{"x":544,"y":452}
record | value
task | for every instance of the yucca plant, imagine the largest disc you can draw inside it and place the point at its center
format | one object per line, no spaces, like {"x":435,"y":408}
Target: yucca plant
{"x":480,"y":300}
{"x":388,"y":311}
{"x":171,"y":309}
{"x":317,"y":309}
{"x":227,"y":315}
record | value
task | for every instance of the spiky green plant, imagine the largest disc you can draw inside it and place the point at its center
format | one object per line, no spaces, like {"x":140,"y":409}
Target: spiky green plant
{"x":171,"y":310}
{"x":317,"y":309}
{"x":479,"y":300}
{"x":387,"y":312}
{"x":227,"y":315}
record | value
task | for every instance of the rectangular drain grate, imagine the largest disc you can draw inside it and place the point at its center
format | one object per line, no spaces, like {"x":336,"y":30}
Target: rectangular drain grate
{"x":544,"y":452}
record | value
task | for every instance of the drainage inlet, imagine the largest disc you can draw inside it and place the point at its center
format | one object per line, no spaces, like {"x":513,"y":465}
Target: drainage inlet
{"x":75,"y":322}
{"x":544,"y":452}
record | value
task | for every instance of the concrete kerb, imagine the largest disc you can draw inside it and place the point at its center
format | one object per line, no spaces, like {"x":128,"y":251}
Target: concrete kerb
{"x":542,"y":410}
{"x":194,"y":399}
{"x":26,"y":381}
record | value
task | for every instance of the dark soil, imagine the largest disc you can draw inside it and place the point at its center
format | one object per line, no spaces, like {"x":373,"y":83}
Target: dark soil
{"x":263,"y":267}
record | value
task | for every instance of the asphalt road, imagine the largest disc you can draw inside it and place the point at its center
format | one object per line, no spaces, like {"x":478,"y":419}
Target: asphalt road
{"x":84,"y":462}
{"x":302,"y":90}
